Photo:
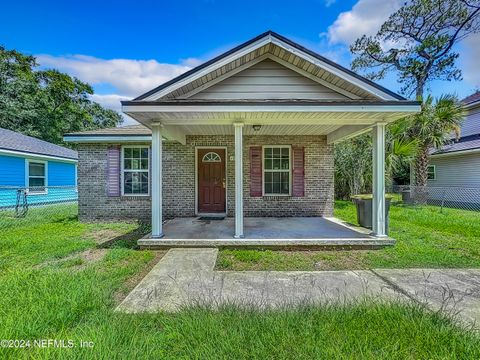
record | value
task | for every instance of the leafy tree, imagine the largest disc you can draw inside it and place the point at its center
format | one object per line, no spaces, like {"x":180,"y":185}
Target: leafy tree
{"x":417,"y":42}
{"x":353,"y":166}
{"x":353,"y":159}
{"x":432,"y":128}
{"x":46,"y":103}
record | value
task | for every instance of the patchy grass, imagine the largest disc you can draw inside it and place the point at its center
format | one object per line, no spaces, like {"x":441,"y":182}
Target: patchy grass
{"x":426,"y":237}
{"x":50,"y":289}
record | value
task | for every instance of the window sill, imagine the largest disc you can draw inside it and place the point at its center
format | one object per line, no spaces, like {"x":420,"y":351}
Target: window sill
{"x":277,"y":196}
{"x":33,"y":193}
{"x":135,"y":196}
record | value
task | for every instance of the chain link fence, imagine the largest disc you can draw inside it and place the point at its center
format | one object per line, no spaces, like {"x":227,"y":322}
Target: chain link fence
{"x":19,"y":205}
{"x":445,"y":197}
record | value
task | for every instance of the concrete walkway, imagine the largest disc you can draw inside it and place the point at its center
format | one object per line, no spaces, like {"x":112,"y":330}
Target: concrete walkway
{"x":186,"y":277}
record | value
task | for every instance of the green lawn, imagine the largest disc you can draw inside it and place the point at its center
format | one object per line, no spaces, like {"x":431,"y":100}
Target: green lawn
{"x":426,"y":237}
{"x":49,"y":289}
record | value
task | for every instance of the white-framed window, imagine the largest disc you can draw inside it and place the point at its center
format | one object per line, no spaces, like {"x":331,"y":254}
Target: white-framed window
{"x":36,"y":176}
{"x":277,"y":174}
{"x":135,"y":170}
{"x":431,"y":172}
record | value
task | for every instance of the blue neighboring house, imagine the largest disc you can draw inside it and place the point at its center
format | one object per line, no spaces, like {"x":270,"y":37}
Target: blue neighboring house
{"x":46,"y":172}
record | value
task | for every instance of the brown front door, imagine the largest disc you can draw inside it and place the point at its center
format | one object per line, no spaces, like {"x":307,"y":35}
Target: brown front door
{"x":211,"y":180}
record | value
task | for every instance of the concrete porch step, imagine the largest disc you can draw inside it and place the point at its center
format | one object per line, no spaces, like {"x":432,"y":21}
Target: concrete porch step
{"x":320,"y":243}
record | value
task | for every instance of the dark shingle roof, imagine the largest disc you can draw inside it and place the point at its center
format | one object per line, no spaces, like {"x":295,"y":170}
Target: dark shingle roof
{"x":466,"y":143}
{"x":11,"y":140}
{"x":472,"y":98}
{"x":116,"y":131}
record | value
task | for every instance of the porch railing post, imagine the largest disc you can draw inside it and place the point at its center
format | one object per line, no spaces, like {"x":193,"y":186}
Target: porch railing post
{"x":378,"y":202}
{"x":157,"y":229}
{"x":238,"y":180}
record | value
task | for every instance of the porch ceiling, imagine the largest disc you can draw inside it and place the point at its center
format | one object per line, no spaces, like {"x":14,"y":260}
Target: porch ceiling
{"x":264,"y":129}
{"x":339,"y":120}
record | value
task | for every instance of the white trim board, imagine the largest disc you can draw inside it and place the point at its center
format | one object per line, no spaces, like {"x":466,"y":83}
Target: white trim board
{"x":35,"y":156}
{"x":107,"y":138}
{"x":453,"y":153}
{"x":187,"y":108}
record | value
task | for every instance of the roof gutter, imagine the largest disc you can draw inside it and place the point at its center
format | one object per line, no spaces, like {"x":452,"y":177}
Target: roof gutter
{"x":107,"y":138}
{"x":458,"y":152}
{"x":36,"y":155}
{"x":185,"y":107}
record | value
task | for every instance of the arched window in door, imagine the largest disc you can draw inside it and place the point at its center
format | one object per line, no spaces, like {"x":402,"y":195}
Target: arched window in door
{"x":211,"y":157}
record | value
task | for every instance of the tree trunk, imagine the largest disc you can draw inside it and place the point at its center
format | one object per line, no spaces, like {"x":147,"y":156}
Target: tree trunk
{"x":419,"y":90}
{"x":421,"y":175}
{"x":421,"y":165}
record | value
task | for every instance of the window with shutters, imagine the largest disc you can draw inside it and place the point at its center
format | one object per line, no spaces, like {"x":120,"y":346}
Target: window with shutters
{"x":135,"y":170}
{"x":277,"y":170}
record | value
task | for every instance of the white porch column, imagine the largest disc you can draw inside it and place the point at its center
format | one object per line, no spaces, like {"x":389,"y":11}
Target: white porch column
{"x":238,"y":180}
{"x":157,"y":231}
{"x":378,"y":204}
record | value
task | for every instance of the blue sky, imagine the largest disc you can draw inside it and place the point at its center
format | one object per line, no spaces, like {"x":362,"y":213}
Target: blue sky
{"x":125,"y":48}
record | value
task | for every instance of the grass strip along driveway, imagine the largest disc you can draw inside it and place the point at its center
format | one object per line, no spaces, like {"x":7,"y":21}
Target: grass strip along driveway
{"x":426,"y":238}
{"x":56,"y":284}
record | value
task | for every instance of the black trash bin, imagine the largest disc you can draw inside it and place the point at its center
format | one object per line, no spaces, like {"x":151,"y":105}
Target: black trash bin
{"x":363,"y":204}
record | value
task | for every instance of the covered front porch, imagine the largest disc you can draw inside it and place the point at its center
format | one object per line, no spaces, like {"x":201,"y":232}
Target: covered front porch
{"x":264,"y":232}
{"x":256,"y":230}
{"x":265,"y":94}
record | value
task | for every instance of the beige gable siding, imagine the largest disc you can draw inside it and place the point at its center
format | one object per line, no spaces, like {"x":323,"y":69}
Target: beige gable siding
{"x":457,"y":170}
{"x":268,"y":80}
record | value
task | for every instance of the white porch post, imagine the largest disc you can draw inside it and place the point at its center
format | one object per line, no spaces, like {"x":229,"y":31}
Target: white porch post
{"x":378,"y":203}
{"x":238,"y":180}
{"x":157,"y":231}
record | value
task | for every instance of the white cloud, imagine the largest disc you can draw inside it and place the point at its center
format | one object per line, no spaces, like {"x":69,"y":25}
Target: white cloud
{"x":112,"y":101}
{"x":329,"y":3}
{"x":128,"y":77}
{"x":124,"y":78}
{"x":365,"y":17}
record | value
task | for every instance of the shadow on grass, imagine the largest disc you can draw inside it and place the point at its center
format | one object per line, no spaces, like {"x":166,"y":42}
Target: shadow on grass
{"x":128,"y":240}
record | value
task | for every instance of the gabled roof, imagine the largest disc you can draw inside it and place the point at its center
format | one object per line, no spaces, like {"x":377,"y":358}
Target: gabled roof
{"x":465,"y":144}
{"x":14,"y":141}
{"x":281,"y":49}
{"x":472,"y":98}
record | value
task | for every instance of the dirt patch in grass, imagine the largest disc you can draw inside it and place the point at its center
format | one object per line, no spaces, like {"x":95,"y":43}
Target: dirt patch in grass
{"x":77,"y":261}
{"x":93,"y":255}
{"x":130,"y":284}
{"x":116,"y":237}
{"x":103,"y":236}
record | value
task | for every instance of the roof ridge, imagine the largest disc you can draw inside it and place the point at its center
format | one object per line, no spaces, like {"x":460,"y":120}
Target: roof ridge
{"x":269,"y":33}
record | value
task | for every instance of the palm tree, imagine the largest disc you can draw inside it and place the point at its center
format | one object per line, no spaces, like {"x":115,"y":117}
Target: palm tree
{"x":399,"y":148}
{"x":432,"y":128}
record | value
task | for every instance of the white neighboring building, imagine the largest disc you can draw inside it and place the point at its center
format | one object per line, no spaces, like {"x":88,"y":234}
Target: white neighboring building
{"x":454,"y":170}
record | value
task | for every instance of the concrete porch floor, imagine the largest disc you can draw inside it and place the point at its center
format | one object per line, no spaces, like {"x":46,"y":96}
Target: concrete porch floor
{"x":264,"y":232}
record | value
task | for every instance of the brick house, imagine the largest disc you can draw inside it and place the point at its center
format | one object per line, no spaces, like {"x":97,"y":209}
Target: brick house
{"x":249,"y":133}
